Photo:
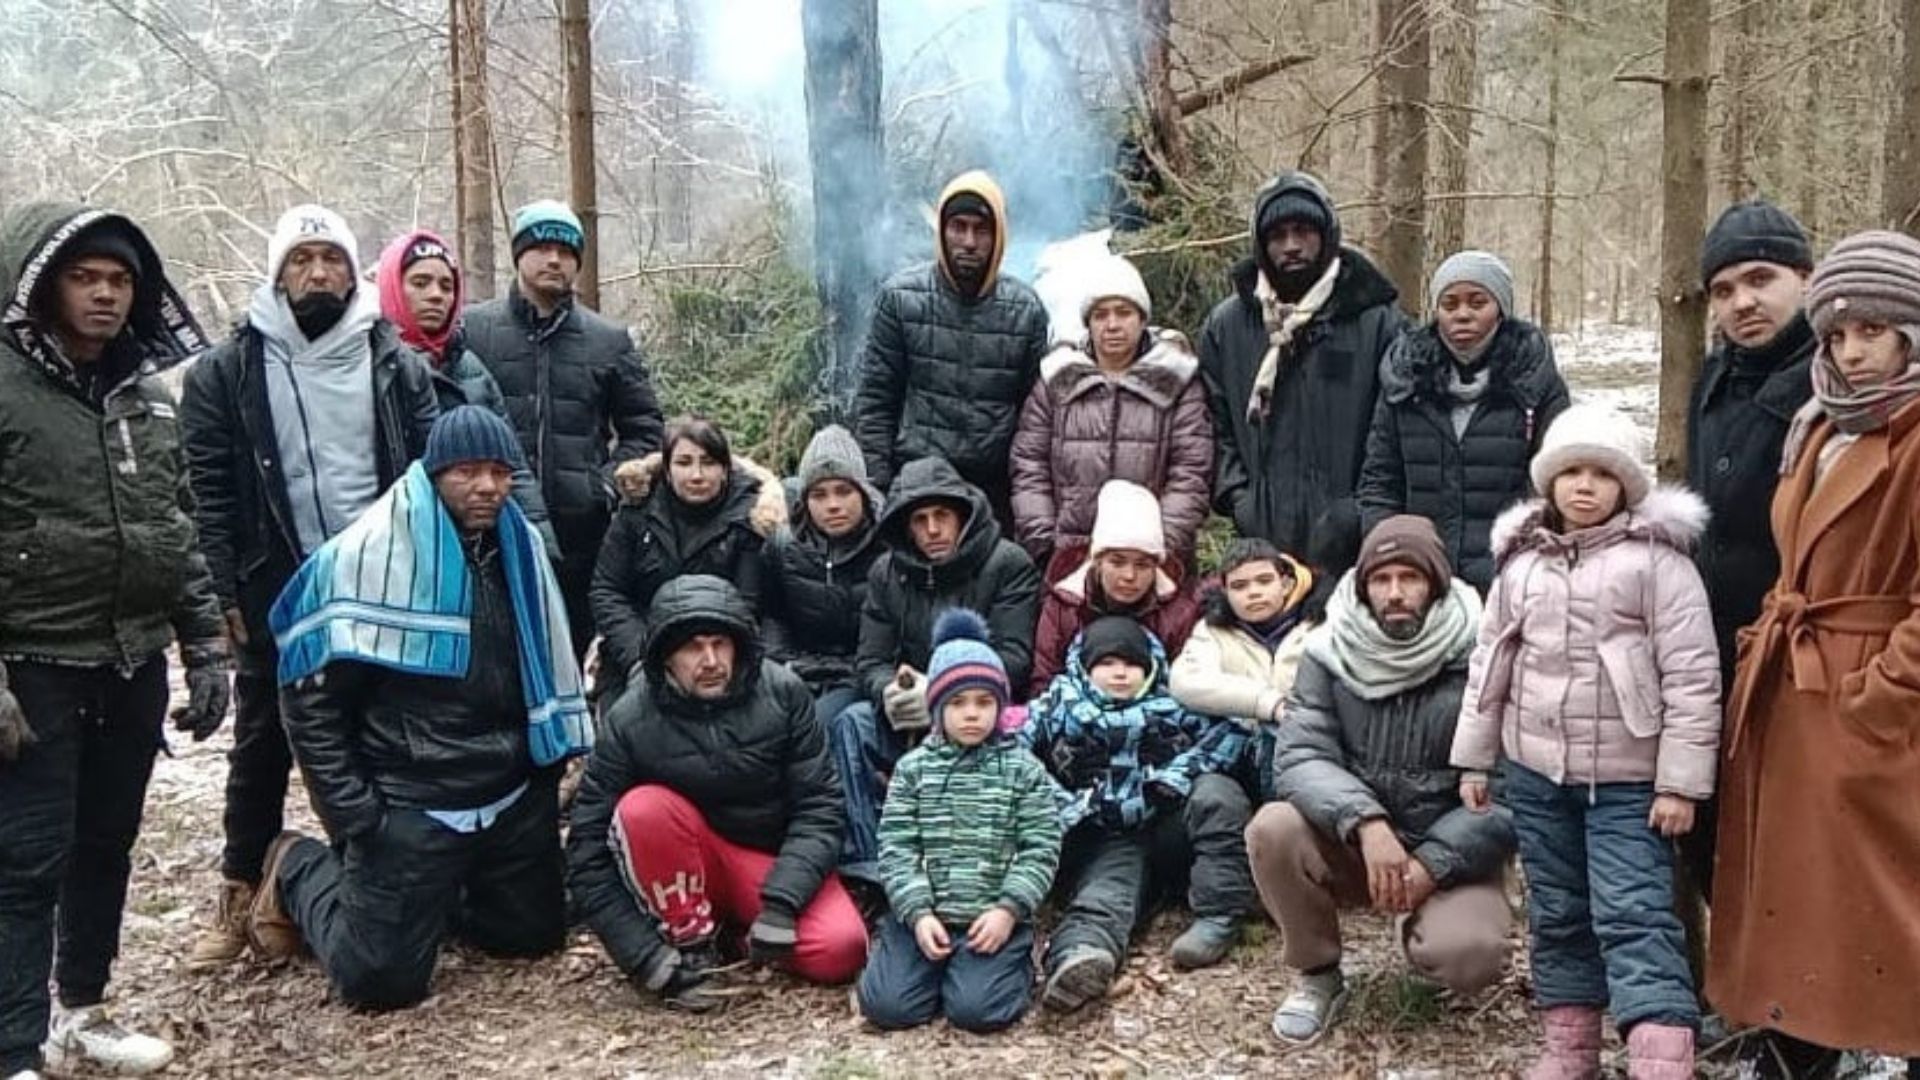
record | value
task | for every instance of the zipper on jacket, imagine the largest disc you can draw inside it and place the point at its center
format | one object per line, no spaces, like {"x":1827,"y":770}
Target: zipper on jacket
{"x":129,"y":464}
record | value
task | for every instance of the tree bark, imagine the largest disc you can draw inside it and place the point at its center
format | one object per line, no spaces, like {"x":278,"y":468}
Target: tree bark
{"x":1400,"y":145}
{"x":1543,"y":297}
{"x":576,"y":33}
{"x":1156,"y":75}
{"x":1683,"y":303}
{"x":1456,"y":46}
{"x":472,"y":146}
{"x":1738,"y":91}
{"x":1901,"y":195}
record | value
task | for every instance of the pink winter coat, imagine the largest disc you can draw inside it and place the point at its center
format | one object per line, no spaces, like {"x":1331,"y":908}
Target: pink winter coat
{"x":1597,"y":662}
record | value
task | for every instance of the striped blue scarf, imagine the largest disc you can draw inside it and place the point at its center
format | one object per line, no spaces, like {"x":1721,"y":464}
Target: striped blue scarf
{"x":393,"y":589}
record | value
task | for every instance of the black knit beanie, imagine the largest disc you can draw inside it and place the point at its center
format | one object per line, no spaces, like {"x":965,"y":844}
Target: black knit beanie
{"x":1116,"y":635}
{"x":1754,"y":231}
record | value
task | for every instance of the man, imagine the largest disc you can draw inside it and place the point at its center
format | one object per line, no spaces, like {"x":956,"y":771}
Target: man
{"x":1292,"y":365}
{"x":293,"y":427}
{"x":98,"y":575}
{"x":944,"y":549}
{"x":578,"y":394}
{"x":428,"y":721}
{"x":1371,"y":813}
{"x":954,"y":347}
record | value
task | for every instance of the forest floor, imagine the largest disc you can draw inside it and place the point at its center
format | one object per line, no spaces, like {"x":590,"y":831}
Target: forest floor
{"x":573,"y":1015}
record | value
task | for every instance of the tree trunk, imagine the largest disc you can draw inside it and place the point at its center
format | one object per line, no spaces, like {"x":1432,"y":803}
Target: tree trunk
{"x":1456,"y":48}
{"x":1901,"y":198}
{"x":1401,"y":157}
{"x":1380,"y":132}
{"x":844,"y":146}
{"x":576,"y":33}
{"x":1543,"y":298}
{"x":472,"y":146}
{"x":1738,"y":91}
{"x":1156,"y":76}
{"x":1683,"y":303}
{"x":1813,"y":141}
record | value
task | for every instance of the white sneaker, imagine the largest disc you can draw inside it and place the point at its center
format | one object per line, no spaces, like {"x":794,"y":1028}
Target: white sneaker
{"x":25,"y":1074}
{"x":91,"y":1036}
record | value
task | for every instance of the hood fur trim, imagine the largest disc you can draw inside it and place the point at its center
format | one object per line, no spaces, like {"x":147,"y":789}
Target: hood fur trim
{"x":1670,"y":514}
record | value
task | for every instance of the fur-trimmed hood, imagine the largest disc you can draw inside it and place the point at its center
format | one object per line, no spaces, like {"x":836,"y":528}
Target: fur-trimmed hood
{"x":1669,"y":515}
{"x":1166,"y":365}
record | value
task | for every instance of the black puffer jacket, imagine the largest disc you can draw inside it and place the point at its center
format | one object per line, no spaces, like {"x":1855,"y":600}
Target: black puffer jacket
{"x":812,"y":596}
{"x":369,"y":738}
{"x":755,"y":764}
{"x":464,"y":381}
{"x":1737,"y":423}
{"x":1274,"y":478}
{"x":905,"y":592}
{"x":1417,"y":465}
{"x":574,"y":385}
{"x":661,"y":539}
{"x":1341,"y":759}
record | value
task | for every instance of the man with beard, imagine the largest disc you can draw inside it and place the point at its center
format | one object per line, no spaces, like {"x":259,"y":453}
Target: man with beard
{"x":1370,"y":815}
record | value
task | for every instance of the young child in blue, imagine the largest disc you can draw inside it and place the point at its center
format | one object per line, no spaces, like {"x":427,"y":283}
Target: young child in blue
{"x":969,"y":840}
{"x":1142,"y":798}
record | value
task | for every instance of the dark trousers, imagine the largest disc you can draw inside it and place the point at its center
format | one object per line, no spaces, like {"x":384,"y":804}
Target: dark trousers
{"x":377,"y":912}
{"x":69,"y":813}
{"x":258,"y":767}
{"x":901,"y":988}
{"x":580,"y":539}
{"x":865,"y":749}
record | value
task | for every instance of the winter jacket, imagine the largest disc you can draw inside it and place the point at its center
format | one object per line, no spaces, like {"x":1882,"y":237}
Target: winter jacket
{"x":1171,"y":610}
{"x":1081,"y":428}
{"x":966,"y":829}
{"x":812,"y":593}
{"x":755,"y":764}
{"x":661,"y":539}
{"x":1341,"y":760}
{"x":1737,"y":422}
{"x":1226,"y":671}
{"x":98,"y":562}
{"x":905,"y":592}
{"x":944,"y":374}
{"x":465,"y":381}
{"x":370,"y":739}
{"x":1273,"y":478}
{"x":1595,"y":662}
{"x":246,"y":525}
{"x":1119,"y":763}
{"x":574,"y":384}
{"x":1417,"y":465}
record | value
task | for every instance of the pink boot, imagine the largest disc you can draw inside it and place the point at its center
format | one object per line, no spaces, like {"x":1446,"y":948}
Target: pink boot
{"x":1572,"y":1050}
{"x":1659,"y":1052}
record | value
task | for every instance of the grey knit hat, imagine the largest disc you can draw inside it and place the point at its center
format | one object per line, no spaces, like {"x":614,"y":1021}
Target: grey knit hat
{"x":1872,"y":276}
{"x":1754,"y":231}
{"x":1482,"y":268}
{"x":470,"y":433}
{"x":834,"y":454}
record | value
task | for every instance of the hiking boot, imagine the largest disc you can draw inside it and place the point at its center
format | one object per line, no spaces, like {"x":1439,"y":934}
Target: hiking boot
{"x":1659,"y":1052}
{"x":89,"y":1037}
{"x":1083,"y":974}
{"x":1312,"y":1009}
{"x":1571,"y":1044}
{"x":272,"y":933}
{"x":1205,"y":943}
{"x":223,"y":942}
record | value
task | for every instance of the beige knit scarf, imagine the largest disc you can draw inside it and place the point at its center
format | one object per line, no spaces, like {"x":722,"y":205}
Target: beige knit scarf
{"x":1284,"y":320}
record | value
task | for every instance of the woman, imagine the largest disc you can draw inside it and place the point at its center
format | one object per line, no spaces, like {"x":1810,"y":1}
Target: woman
{"x":1816,"y":902}
{"x":1463,"y":403}
{"x":701,"y":521}
{"x":1127,"y":405}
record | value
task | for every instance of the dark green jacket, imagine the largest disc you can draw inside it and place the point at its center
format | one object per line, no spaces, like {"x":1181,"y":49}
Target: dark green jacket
{"x":98,"y":560}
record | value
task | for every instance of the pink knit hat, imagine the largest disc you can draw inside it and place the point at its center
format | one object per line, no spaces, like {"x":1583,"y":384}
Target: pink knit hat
{"x":1127,"y":518}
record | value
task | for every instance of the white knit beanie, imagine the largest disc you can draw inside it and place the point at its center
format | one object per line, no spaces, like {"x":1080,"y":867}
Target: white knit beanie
{"x":309,"y":223}
{"x":1114,"y":277}
{"x":1594,"y":435}
{"x":1127,"y":518}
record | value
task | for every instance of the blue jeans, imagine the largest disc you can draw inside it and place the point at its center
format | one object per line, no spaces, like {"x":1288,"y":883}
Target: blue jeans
{"x":865,"y":748}
{"x":901,"y":988}
{"x":1600,"y":900}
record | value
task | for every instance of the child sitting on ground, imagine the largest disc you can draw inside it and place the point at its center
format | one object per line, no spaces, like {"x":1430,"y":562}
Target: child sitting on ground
{"x":969,"y":840}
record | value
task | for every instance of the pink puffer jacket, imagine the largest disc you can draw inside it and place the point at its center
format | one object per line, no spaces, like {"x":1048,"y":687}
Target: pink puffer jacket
{"x":1596,"y":662}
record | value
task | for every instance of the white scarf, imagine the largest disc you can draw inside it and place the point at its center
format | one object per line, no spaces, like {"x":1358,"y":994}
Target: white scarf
{"x":1352,"y":645}
{"x":1283,"y":320}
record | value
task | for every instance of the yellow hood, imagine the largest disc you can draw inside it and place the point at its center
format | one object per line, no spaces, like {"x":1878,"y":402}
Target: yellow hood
{"x":975,"y":182}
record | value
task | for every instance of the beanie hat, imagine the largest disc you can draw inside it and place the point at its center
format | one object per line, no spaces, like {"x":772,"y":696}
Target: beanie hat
{"x":1127,"y":518}
{"x":426,"y":246}
{"x":963,"y":659}
{"x":547,"y":221}
{"x":469,"y":433}
{"x":1594,"y":435}
{"x":1872,"y":276}
{"x":1754,"y":231}
{"x":1294,"y":206}
{"x":107,"y":238}
{"x":1115,"y":635}
{"x":966,"y":202}
{"x":308,"y":224}
{"x":1482,"y":268}
{"x":834,"y":454}
{"x":1114,"y":278}
{"x":1406,"y":540}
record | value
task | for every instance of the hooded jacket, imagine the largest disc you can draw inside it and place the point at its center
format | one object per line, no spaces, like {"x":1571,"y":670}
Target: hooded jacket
{"x":1416,"y":464}
{"x":755,"y":763}
{"x":944,"y":374}
{"x":813,"y":591}
{"x":1274,"y":478}
{"x":98,"y":561}
{"x":1081,"y":428}
{"x":905,"y":592}
{"x":1227,"y":671}
{"x":1171,"y":610}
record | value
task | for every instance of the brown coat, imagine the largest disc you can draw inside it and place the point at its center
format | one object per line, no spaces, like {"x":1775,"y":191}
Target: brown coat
{"x":1816,"y":904}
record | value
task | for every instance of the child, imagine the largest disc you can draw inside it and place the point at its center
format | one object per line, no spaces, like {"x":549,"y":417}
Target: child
{"x":1135,"y":768}
{"x":1597,"y":678}
{"x":969,"y":841}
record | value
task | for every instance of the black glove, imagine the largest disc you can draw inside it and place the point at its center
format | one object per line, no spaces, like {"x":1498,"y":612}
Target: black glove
{"x":15,"y":735}
{"x":208,"y":691}
{"x":772,"y":937}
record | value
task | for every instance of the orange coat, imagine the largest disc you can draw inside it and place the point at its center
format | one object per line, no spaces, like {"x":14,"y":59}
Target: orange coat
{"x":1816,"y":902}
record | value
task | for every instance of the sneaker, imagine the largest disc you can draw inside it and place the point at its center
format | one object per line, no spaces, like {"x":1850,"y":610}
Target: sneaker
{"x":1205,"y":943}
{"x":273,"y":934}
{"x":223,"y":942}
{"x":90,"y":1037}
{"x":1311,"y":1010}
{"x":25,"y":1074}
{"x":1082,"y":975}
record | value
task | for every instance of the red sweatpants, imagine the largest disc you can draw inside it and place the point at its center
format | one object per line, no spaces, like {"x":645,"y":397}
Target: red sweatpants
{"x":696,"y":881}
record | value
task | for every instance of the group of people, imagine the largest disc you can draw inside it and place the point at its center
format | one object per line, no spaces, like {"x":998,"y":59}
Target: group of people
{"x":868,"y":722}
